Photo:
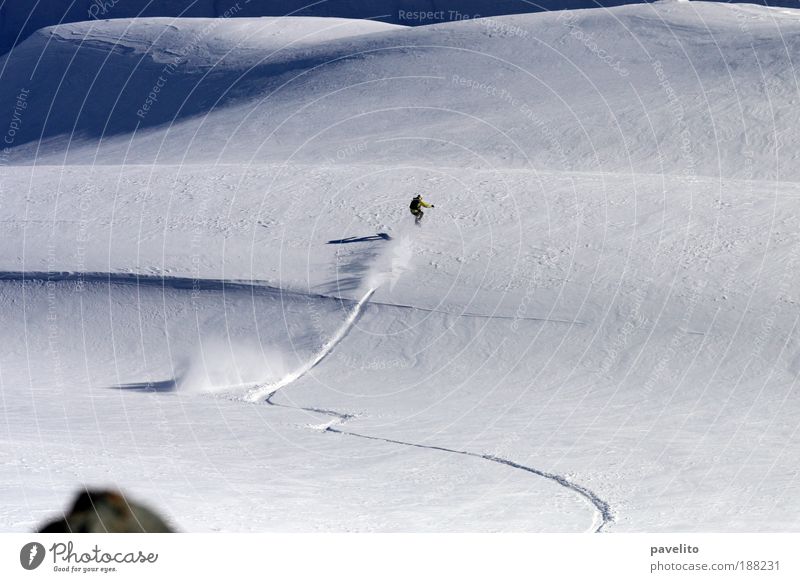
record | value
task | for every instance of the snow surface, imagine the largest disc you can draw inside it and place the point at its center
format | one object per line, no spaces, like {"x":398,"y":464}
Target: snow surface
{"x":594,"y":330}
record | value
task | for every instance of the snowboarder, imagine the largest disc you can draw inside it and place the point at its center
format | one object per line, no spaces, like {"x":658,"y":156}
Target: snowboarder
{"x":416,"y":206}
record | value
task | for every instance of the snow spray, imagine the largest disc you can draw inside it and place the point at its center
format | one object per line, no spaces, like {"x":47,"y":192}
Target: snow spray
{"x":218,"y":365}
{"x":266,"y":390}
{"x":393,"y":260}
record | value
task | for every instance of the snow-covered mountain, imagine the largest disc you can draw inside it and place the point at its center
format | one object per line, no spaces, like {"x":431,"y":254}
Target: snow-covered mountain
{"x":700,"y":90}
{"x":20,"y":19}
{"x":594,"y":329}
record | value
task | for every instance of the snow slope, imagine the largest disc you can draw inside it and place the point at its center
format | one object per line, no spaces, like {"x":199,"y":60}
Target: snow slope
{"x":705,"y":89}
{"x":583,"y":336}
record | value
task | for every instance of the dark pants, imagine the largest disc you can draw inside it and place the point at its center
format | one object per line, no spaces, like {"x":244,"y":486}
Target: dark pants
{"x":418,"y":214}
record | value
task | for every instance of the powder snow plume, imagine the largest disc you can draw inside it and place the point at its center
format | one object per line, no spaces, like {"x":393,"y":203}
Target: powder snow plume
{"x":218,"y":365}
{"x":392,"y":261}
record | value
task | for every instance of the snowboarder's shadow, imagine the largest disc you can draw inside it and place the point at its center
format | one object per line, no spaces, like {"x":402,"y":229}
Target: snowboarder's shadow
{"x":354,"y":264}
{"x":357,"y":239}
{"x":169,"y":385}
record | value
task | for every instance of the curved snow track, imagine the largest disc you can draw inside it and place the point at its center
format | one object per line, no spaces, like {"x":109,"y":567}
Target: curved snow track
{"x":603,"y":512}
{"x":603,"y":515}
{"x":264,"y":390}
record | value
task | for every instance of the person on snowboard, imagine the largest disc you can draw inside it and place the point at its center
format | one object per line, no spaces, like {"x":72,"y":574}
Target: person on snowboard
{"x":416,"y":206}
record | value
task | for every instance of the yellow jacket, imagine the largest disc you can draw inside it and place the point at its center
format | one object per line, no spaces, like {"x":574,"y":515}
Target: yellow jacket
{"x":418,"y":201}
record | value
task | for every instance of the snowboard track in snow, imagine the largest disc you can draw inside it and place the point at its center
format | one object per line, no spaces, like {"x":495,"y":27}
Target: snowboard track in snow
{"x":260,"y":391}
{"x":601,"y":507}
{"x":603,"y":511}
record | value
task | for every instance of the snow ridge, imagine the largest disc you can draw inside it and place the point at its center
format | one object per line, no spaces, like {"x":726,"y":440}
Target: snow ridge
{"x":251,"y":286}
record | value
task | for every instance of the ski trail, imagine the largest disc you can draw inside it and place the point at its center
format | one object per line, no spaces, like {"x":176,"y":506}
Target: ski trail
{"x":338,"y":417}
{"x":603,"y":515}
{"x":265,"y":390}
